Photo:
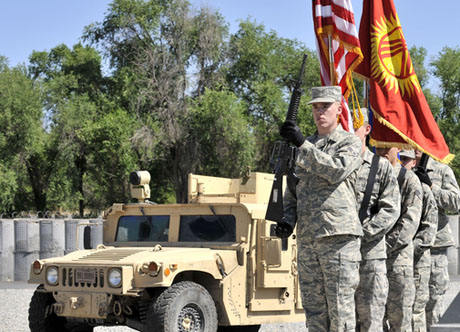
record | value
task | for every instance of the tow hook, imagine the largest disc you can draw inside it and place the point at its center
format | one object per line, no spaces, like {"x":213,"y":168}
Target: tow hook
{"x":117,"y":309}
{"x":75,"y":302}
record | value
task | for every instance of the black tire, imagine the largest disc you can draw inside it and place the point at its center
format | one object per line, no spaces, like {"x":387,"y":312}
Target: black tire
{"x":185,"y":306}
{"x":241,"y":328}
{"x":41,"y":315}
{"x":43,"y":319}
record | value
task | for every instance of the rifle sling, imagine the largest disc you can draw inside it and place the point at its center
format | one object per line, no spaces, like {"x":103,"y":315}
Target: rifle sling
{"x":370,"y":184}
{"x":401,"y":176}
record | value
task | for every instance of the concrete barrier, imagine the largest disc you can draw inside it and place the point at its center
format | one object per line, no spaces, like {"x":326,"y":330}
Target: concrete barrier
{"x":97,"y":232}
{"x":52,"y":238}
{"x":23,"y":240}
{"x":6,"y":250}
{"x":26,"y":246}
{"x":71,"y":230}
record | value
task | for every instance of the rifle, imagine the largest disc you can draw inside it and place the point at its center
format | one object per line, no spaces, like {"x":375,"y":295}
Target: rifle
{"x":283,"y":157}
{"x":421,"y":171}
{"x":423,"y":162}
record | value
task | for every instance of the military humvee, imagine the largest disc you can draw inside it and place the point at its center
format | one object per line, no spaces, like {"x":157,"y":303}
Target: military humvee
{"x":211,"y":265}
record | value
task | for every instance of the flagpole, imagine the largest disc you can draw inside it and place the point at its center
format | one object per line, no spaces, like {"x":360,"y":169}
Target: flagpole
{"x":366,"y":93}
{"x":331,"y":60}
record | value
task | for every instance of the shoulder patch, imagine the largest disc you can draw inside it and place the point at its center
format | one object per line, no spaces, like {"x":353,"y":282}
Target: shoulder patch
{"x":353,"y":152}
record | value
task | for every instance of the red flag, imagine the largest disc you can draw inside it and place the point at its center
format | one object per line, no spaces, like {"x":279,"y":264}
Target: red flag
{"x":334,"y":19}
{"x":402,"y":115}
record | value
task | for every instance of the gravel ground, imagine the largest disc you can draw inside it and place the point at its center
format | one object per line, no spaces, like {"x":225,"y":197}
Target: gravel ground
{"x":15,"y":297}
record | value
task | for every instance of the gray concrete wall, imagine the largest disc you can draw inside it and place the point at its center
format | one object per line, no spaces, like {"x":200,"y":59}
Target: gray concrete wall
{"x":24,"y":240}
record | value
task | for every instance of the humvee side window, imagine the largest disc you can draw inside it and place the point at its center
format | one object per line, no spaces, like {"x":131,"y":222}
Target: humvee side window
{"x":143,"y":228}
{"x":219,"y":228}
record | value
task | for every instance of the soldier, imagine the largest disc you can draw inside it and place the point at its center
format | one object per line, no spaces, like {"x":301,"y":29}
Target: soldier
{"x":423,"y":240}
{"x":378,"y":213}
{"x":324,"y":206}
{"x":447,"y":195}
{"x":400,"y":249}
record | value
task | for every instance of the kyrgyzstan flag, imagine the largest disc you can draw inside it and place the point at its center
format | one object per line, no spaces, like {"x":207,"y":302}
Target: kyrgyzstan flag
{"x":336,"y":35}
{"x":402,"y":117}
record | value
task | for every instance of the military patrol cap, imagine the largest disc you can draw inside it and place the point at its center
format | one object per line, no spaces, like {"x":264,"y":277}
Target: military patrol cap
{"x":407,"y":153}
{"x":326,"y":94}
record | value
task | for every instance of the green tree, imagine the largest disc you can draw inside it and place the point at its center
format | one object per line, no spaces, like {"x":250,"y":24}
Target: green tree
{"x":262,"y":70}
{"x":227,"y":147}
{"x":80,"y":118}
{"x":22,"y":141}
{"x":164,"y":55}
{"x":446,"y":68}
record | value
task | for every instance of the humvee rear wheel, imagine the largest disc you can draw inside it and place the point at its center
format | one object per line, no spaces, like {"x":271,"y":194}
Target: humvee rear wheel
{"x":43,"y":319}
{"x":183,"y":307}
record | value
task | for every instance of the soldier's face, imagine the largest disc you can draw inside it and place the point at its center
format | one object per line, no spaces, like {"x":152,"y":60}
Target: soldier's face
{"x":390,"y":153}
{"x":362,"y":132}
{"x":407,"y":162}
{"x":418,"y":154}
{"x":325,"y":116}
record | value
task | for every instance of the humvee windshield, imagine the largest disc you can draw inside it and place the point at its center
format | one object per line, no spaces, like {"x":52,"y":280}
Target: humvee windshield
{"x":143,"y":228}
{"x":218,"y":228}
{"x":193,"y":228}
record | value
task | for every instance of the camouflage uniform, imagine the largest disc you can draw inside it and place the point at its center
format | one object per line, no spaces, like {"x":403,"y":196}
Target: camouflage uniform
{"x":372,"y":292}
{"x":328,"y":229}
{"x":423,"y":240}
{"x":400,"y":250}
{"x":447,"y":195}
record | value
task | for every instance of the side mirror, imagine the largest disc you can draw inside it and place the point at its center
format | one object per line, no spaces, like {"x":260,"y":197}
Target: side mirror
{"x":87,"y":237}
{"x":272,"y":251}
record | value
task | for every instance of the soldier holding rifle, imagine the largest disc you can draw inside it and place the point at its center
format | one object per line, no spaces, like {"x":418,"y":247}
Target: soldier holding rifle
{"x":323,"y":204}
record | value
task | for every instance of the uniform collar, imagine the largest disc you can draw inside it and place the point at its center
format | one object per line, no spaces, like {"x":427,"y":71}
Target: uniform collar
{"x":367,"y":156}
{"x":333,"y":135}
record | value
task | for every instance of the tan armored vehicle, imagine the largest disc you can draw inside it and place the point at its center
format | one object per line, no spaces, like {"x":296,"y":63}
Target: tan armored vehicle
{"x":211,"y":265}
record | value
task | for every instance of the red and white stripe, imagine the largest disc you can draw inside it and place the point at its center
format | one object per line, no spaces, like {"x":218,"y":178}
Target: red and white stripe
{"x":335,"y":18}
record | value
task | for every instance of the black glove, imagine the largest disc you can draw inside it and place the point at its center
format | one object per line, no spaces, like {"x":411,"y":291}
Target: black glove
{"x":423,"y":176}
{"x":291,"y":133}
{"x":283,"y":230}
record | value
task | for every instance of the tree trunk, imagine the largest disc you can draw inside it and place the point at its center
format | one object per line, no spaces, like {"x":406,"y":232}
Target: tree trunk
{"x":80,"y":163}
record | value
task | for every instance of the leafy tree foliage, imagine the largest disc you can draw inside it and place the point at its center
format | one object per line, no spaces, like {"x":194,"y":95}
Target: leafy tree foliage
{"x":446,"y":68}
{"x":262,"y":70}
{"x":22,"y":141}
{"x":160,"y":86}
{"x":174,"y":55}
{"x":85,"y":127}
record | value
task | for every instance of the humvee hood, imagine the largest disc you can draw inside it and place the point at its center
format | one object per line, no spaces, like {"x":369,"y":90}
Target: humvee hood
{"x":128,"y":256}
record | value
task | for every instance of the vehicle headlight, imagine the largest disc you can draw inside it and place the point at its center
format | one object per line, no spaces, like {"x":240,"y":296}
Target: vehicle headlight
{"x":115,"y":278}
{"x":52,"y":275}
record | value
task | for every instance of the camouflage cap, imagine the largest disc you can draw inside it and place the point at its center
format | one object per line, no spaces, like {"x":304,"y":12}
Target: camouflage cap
{"x":407,"y":153}
{"x":326,"y":94}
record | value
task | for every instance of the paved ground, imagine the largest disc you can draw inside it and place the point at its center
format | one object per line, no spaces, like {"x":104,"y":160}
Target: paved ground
{"x":15,"y":297}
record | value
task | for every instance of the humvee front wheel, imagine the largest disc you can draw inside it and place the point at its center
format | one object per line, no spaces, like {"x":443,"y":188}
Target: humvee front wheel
{"x":183,"y":307}
{"x":43,"y":319}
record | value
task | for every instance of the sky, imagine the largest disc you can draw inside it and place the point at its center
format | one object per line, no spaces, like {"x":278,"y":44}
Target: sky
{"x":28,"y":25}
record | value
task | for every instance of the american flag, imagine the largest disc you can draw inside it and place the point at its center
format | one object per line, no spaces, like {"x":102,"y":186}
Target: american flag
{"x":335,"y":29}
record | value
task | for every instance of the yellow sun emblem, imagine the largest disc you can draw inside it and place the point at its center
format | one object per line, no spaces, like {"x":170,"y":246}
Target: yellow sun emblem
{"x":391,"y":61}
